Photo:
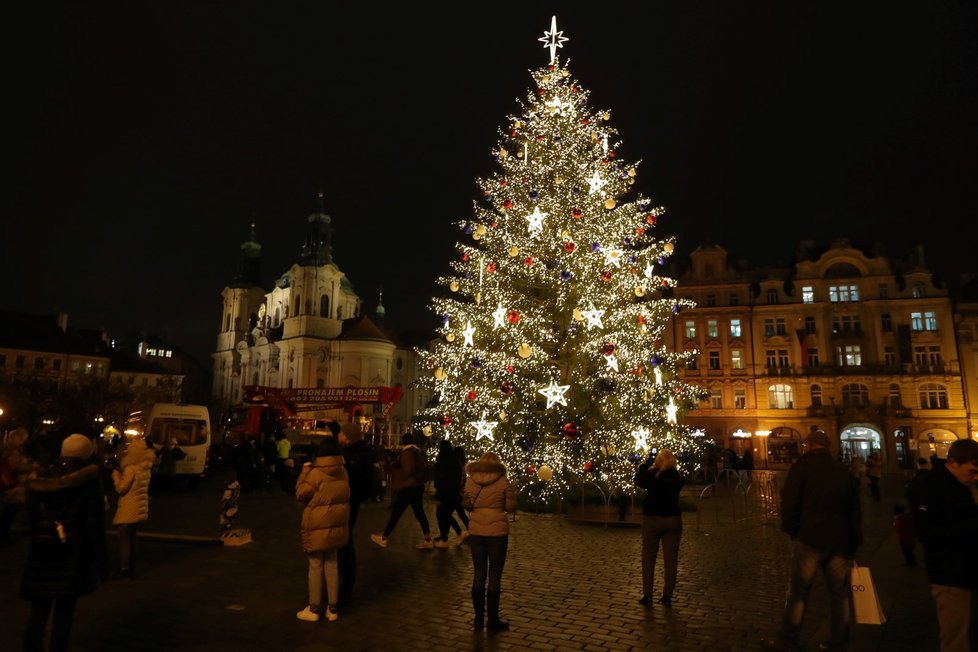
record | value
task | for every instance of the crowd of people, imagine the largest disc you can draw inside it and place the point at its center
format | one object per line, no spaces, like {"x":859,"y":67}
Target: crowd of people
{"x":61,"y":485}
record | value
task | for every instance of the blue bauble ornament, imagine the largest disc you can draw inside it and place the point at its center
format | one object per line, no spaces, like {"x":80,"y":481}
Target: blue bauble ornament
{"x":676,"y":308}
{"x":595,"y":246}
{"x":527,"y":445}
{"x":477,"y":363}
{"x":635,"y":458}
{"x":655,"y":360}
{"x":660,"y":261}
{"x":565,"y":275}
{"x":468,"y":230}
{"x":534,"y":195}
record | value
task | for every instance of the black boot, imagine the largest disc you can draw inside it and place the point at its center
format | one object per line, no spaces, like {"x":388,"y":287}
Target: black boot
{"x":479,"y":607}
{"x":495,"y":625}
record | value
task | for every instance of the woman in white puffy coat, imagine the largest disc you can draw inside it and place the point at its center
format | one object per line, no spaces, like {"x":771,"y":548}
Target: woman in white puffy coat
{"x":490,"y":500}
{"x":131,"y":482}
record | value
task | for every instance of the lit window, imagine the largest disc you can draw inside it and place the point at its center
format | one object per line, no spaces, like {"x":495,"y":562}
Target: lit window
{"x":716,"y":399}
{"x":690,"y":329}
{"x":779,"y":397}
{"x":808,"y":294}
{"x":734,"y":328}
{"x":737,"y":358}
{"x":740,"y":399}
{"x":849,"y":355}
{"x":916,"y":321}
{"x":816,"y":396}
{"x":712,"y":330}
{"x":930,"y":321}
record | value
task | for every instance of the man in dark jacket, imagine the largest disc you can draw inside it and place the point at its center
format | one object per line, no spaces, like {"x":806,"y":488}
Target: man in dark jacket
{"x":820,"y":512}
{"x":945,"y":518}
{"x":359,"y":462}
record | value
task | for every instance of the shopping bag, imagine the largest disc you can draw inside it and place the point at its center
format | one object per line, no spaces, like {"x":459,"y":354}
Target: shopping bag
{"x":865,"y":601}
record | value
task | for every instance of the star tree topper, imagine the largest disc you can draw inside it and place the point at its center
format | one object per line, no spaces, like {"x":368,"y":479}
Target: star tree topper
{"x":553,"y":39}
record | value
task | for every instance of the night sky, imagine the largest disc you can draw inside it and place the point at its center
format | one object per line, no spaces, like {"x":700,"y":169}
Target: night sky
{"x":145,"y":139}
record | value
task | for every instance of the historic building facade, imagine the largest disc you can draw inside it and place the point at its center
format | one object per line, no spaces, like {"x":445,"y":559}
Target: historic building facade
{"x":857,"y":345}
{"x":308,"y":331}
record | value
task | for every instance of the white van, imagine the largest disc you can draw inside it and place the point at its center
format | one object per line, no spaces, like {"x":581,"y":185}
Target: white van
{"x":189,"y":425}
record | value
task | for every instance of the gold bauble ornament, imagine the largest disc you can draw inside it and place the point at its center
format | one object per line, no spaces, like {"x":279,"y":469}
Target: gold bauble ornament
{"x":545,"y":473}
{"x":610,"y":203}
{"x":565,"y":73}
{"x":514,"y":251}
{"x":558,"y":181}
{"x":578,"y":315}
{"x":639,"y":291}
{"x":606,"y":116}
{"x":668,"y":247}
{"x":503,"y":153}
{"x":449,"y":337}
{"x":631,"y":181}
{"x":481,"y":229}
{"x":439,"y":374}
{"x":476,"y":235}
{"x":631,"y":172}
{"x":525,"y":351}
{"x":453,"y":286}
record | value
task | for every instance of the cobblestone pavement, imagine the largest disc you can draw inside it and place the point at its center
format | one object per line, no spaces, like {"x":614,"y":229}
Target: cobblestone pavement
{"x":566,"y":586}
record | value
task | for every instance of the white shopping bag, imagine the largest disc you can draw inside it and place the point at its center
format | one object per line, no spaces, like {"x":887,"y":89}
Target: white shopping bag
{"x":865,"y":602}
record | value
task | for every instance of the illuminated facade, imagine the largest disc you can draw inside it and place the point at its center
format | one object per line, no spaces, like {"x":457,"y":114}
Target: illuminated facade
{"x":860,"y":346}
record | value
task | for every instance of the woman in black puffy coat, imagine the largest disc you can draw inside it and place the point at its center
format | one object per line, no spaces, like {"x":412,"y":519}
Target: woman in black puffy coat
{"x":662,"y":522}
{"x":67,"y":554}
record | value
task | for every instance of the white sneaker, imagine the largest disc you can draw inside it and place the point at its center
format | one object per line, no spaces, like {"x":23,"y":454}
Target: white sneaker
{"x":331,"y":614}
{"x":379,"y":540}
{"x":426,"y":544}
{"x":307,"y":614}
{"x":441,"y":544}
{"x":462,"y":538}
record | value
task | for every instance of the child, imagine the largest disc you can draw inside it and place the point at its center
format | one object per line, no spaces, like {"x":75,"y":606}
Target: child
{"x":905,"y":534}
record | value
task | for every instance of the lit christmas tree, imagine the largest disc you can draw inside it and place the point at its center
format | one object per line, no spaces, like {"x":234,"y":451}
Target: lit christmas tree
{"x":551,"y":349}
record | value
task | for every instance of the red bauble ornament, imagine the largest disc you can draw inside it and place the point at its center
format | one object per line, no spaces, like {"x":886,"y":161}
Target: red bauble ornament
{"x":465,"y":257}
{"x":508,"y":204}
{"x":512,"y":133}
{"x":576,"y":213}
{"x":471,"y":395}
{"x":513,"y":317}
{"x":640,"y":231}
{"x":650,"y":219}
{"x":510,"y":369}
{"x":588,"y":467}
{"x":540,"y":91}
{"x":569,"y":247}
{"x":664,"y":283}
{"x":506,"y":388}
{"x":491,"y":267}
{"x":611,"y":153}
{"x":528,"y":261}
{"x":606,"y":275}
{"x":570,"y":430}
{"x":539,"y":138}
{"x":530,"y":469}
{"x":445,"y":420}
{"x":608,"y":348}
{"x":641,"y":319}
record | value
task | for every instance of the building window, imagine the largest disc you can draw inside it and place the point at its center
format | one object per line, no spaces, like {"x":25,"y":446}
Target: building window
{"x":715,"y":360}
{"x":849,"y":355}
{"x":772,"y":296}
{"x":884,"y":291}
{"x":38,"y":364}
{"x":737,"y":358}
{"x":813,"y":357}
{"x":690,"y":329}
{"x":19,"y":362}
{"x":930,"y":321}
{"x":691,"y":364}
{"x":780,"y":327}
{"x":716,"y":399}
{"x":732,"y":299}
{"x":734,"y":328}
{"x":918,"y":290}
{"x":779,"y":397}
{"x":933,"y":396}
{"x":889,"y":356}
{"x":886,"y":323}
{"x":55,"y":364}
{"x":846,"y":324}
{"x":324,"y":306}
{"x":768,"y":328}
{"x":855,"y":395}
{"x":783,"y":358}
{"x":740,"y":399}
{"x":3,"y":360}
{"x":807,"y":294}
{"x":843,"y":293}
{"x":816,"y":396}
{"x":711,"y":300}
{"x":771,"y":359}
{"x":809,"y":324}
{"x":927,"y":358}
{"x":894,"y":398}
{"x":712,"y":330}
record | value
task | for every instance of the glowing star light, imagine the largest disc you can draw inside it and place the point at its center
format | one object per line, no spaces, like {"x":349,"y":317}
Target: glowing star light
{"x":613,"y":256}
{"x":468,"y":333}
{"x":484,"y":428}
{"x":554,"y":393}
{"x":671,"y":411}
{"x":535,"y":220}
{"x":593,"y":318}
{"x":596,"y":182}
{"x":499,"y":317}
{"x":612,"y":363}
{"x":641,"y":439}
{"x":658,"y":376}
{"x":553,"y":39}
{"x":649,"y":270}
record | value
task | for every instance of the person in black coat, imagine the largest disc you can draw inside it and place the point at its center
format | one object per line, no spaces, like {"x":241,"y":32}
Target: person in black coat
{"x":662,"y":522}
{"x":448,"y":492}
{"x":67,"y":554}
{"x":359,"y":462}
{"x":945,"y":519}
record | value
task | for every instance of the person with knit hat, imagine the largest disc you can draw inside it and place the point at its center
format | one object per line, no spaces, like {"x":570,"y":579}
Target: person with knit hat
{"x":131,"y":482}
{"x":67,"y":552}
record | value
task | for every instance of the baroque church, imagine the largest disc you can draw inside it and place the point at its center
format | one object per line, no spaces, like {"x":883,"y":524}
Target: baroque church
{"x":309,"y":331}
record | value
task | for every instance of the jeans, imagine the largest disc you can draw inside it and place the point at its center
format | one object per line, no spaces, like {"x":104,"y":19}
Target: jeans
{"x":408,"y":497}
{"x":956,"y":615}
{"x":63,"y":610}
{"x":323,"y":565}
{"x":488,"y":559}
{"x":668,"y":530}
{"x":836,"y":569}
{"x":126,"y":533}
